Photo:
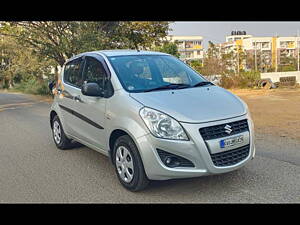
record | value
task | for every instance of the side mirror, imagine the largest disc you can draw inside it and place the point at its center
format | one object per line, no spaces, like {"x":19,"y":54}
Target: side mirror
{"x":92,"y":89}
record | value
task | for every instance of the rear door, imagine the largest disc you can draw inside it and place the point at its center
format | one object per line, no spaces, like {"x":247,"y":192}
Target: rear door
{"x":69,"y":88}
{"x":90,"y":109}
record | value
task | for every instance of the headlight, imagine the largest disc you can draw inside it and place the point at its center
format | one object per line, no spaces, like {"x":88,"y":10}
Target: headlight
{"x":162,"y":125}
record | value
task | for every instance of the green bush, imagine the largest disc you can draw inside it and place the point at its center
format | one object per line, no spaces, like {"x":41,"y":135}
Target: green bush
{"x":286,"y":68}
{"x":33,"y":86}
{"x":243,"y":80}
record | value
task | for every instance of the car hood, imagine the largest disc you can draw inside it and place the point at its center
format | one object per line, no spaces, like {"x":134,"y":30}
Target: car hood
{"x":194,"y":105}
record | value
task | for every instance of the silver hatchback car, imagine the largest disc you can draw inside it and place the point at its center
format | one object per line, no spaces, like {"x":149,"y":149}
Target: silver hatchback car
{"x":152,"y":115}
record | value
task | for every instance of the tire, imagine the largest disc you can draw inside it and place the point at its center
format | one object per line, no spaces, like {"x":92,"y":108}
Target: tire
{"x":60,"y":139}
{"x":133,"y":165}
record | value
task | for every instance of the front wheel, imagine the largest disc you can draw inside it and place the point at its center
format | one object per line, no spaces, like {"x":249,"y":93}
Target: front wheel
{"x":128,"y":164}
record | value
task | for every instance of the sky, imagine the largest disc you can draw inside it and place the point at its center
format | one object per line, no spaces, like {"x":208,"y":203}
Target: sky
{"x":216,"y":31}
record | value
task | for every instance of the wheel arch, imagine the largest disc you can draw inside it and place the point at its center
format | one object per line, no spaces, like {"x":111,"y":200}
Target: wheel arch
{"x":114,"y":135}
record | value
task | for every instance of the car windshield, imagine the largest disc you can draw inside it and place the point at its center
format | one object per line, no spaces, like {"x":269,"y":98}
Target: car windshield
{"x":141,"y":73}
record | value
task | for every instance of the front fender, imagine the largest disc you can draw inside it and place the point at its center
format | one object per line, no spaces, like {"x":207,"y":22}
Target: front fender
{"x":135,"y":129}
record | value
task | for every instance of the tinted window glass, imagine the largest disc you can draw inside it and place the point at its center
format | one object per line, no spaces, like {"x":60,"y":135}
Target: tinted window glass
{"x":72,"y":73}
{"x":143,"y":72}
{"x":94,"y":72}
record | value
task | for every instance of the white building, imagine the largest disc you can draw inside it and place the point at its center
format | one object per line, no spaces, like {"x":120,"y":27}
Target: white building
{"x":268,"y":52}
{"x":189,"y":47}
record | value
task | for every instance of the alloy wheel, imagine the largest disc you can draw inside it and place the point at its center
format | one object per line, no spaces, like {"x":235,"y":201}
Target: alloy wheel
{"x":56,"y":132}
{"x":124,"y":164}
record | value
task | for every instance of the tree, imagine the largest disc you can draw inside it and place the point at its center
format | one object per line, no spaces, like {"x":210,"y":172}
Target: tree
{"x":212,"y":51}
{"x":31,"y":48}
{"x":287,"y":63}
{"x":196,"y":65}
{"x":212,"y":63}
{"x":212,"y":66}
{"x":59,"y":40}
{"x":56,"y":40}
{"x":134,"y":34}
{"x":228,"y":62}
{"x":250,"y":60}
{"x":169,"y":48}
{"x":18,"y":64}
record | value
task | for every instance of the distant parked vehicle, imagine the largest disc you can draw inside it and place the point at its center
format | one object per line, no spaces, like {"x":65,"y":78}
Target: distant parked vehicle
{"x":154,"y":116}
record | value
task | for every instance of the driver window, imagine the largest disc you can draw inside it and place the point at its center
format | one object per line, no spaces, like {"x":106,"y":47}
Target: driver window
{"x":94,"y":72}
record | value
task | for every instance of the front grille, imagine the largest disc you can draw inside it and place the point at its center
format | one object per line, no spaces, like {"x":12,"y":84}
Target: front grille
{"x":182,"y":162}
{"x":230,"y":157}
{"x":218,"y":131}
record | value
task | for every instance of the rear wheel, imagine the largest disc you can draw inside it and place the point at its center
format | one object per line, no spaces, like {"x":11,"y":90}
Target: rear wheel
{"x":60,"y":139}
{"x":128,"y":164}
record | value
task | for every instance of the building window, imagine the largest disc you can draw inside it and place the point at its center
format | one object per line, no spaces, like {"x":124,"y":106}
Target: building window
{"x":189,"y":44}
{"x":287,"y":44}
{"x":283,"y":44}
{"x":265,"y":45}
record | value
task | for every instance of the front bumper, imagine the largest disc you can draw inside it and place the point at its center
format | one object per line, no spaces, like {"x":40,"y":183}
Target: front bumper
{"x":194,"y":150}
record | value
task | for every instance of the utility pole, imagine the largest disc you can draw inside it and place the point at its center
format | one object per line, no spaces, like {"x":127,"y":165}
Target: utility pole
{"x":238,"y":62}
{"x":203,"y":57}
{"x":261,"y":60}
{"x":297,"y":43}
{"x":184,"y":50}
{"x":276,"y":59}
{"x":276,"y":55}
{"x":255,"y":59}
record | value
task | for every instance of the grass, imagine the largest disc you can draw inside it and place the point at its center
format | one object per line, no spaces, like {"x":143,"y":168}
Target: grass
{"x":32,"y":86}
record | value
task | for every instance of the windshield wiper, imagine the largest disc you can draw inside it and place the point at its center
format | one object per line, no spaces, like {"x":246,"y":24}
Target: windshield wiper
{"x":202,"y":83}
{"x":169,"y":86}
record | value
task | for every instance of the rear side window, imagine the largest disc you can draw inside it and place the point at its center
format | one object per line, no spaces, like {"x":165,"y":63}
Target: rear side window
{"x":94,"y":72}
{"x":72,"y":73}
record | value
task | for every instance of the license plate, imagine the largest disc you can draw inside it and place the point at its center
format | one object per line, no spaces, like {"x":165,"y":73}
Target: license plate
{"x":231,"y":141}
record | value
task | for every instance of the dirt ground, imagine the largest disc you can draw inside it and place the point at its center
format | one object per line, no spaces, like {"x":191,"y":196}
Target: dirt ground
{"x":275,"y":111}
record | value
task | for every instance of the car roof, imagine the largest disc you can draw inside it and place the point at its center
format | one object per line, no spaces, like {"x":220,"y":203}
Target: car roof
{"x":122,"y":52}
{"x":118,"y":52}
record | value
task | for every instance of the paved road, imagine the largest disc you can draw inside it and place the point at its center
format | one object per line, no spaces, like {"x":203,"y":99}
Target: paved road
{"x":33,"y":170}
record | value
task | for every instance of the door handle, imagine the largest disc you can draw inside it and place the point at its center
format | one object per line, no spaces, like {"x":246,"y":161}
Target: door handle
{"x":77,"y":98}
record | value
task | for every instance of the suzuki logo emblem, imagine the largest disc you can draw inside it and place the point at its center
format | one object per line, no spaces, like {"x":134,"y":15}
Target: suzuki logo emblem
{"x":228,"y":129}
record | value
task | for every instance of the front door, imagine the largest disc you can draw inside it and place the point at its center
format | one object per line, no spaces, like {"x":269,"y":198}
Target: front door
{"x":91,"y":110}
